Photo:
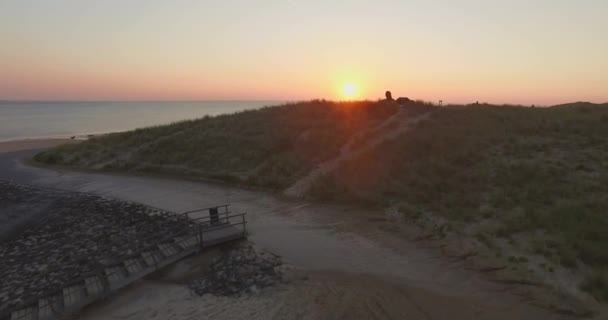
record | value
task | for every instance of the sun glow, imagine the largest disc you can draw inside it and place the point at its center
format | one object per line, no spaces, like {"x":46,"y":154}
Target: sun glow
{"x":349,"y":91}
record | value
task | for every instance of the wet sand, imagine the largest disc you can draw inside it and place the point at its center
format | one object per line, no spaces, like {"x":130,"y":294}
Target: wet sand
{"x":348,"y":273}
{"x":31,"y":144}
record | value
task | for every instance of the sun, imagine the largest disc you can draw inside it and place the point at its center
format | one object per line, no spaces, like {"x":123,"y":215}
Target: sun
{"x":349,"y":90}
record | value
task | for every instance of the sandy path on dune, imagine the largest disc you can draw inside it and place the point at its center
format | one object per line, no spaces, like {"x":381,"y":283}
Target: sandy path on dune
{"x":389,"y":129}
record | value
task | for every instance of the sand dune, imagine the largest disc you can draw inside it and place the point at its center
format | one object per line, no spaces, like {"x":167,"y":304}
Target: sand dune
{"x":346,"y":273}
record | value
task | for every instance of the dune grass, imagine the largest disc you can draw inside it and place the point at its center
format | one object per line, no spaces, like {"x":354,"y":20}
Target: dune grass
{"x":534,"y":177}
{"x":270,"y":147}
{"x":539,"y":174}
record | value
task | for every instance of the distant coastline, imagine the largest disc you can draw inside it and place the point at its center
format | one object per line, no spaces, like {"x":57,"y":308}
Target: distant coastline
{"x":32,"y":144}
{"x":21,"y":120}
{"x":76,"y":137}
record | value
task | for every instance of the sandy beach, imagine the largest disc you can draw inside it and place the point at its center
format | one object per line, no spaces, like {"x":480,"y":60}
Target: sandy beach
{"x":31,"y":144}
{"x":342,"y":265}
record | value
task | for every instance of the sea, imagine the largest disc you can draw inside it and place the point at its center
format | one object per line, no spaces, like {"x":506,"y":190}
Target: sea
{"x":34,"y":120}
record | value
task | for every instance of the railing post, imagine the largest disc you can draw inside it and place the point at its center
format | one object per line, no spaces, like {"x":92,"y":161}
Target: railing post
{"x":200,"y":234}
{"x":244,"y":225}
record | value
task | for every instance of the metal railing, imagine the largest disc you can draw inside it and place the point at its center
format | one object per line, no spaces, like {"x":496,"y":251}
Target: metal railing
{"x":213,"y":213}
{"x":228,"y":221}
{"x":197,"y":227}
{"x":216,"y":218}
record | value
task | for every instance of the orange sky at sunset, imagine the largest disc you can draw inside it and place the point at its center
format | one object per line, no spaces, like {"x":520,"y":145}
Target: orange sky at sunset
{"x":516,"y":52}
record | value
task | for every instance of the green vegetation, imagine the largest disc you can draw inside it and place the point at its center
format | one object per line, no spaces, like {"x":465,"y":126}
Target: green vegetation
{"x":539,"y":174}
{"x":271,"y":147}
{"x":534,"y":178}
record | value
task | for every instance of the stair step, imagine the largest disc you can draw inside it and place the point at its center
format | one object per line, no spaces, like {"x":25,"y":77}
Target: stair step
{"x":49,"y":306}
{"x":94,"y":286}
{"x":116,"y":274}
{"x":168,"y":249}
{"x":152,"y":258}
{"x":186,"y":241}
{"x":73,"y":295}
{"x":29,"y":313}
{"x":134,"y":265}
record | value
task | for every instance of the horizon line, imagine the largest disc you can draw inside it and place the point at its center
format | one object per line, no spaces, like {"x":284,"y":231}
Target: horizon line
{"x":445,"y":103}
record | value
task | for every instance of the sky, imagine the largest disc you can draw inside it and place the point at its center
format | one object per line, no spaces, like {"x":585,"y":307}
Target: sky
{"x":525,"y":52}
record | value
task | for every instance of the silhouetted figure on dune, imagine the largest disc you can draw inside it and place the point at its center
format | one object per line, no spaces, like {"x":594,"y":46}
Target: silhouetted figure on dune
{"x":388,"y":95}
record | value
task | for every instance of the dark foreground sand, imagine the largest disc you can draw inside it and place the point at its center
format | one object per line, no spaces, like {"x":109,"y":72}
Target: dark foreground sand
{"x":342,"y":272}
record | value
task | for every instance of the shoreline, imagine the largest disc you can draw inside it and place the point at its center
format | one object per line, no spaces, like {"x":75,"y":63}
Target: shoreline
{"x":75,"y":136}
{"x":31,"y":144}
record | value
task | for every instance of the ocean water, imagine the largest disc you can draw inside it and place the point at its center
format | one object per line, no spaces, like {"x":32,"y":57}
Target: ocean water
{"x":25,"y":120}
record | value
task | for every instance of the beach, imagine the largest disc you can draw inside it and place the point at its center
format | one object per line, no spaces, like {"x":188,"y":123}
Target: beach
{"x":236,"y":160}
{"x":32,"y":144}
{"x":338,"y":259}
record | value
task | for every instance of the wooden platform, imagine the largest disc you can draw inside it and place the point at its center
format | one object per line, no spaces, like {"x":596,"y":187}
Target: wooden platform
{"x":221,"y":235}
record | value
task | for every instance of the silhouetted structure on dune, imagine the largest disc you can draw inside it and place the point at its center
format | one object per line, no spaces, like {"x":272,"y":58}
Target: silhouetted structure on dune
{"x":400,"y":100}
{"x":403,"y":100}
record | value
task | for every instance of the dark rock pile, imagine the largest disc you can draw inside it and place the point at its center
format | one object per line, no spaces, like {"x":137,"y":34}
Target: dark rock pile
{"x":17,"y":212}
{"x":238,"y":271}
{"x":77,"y":234}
